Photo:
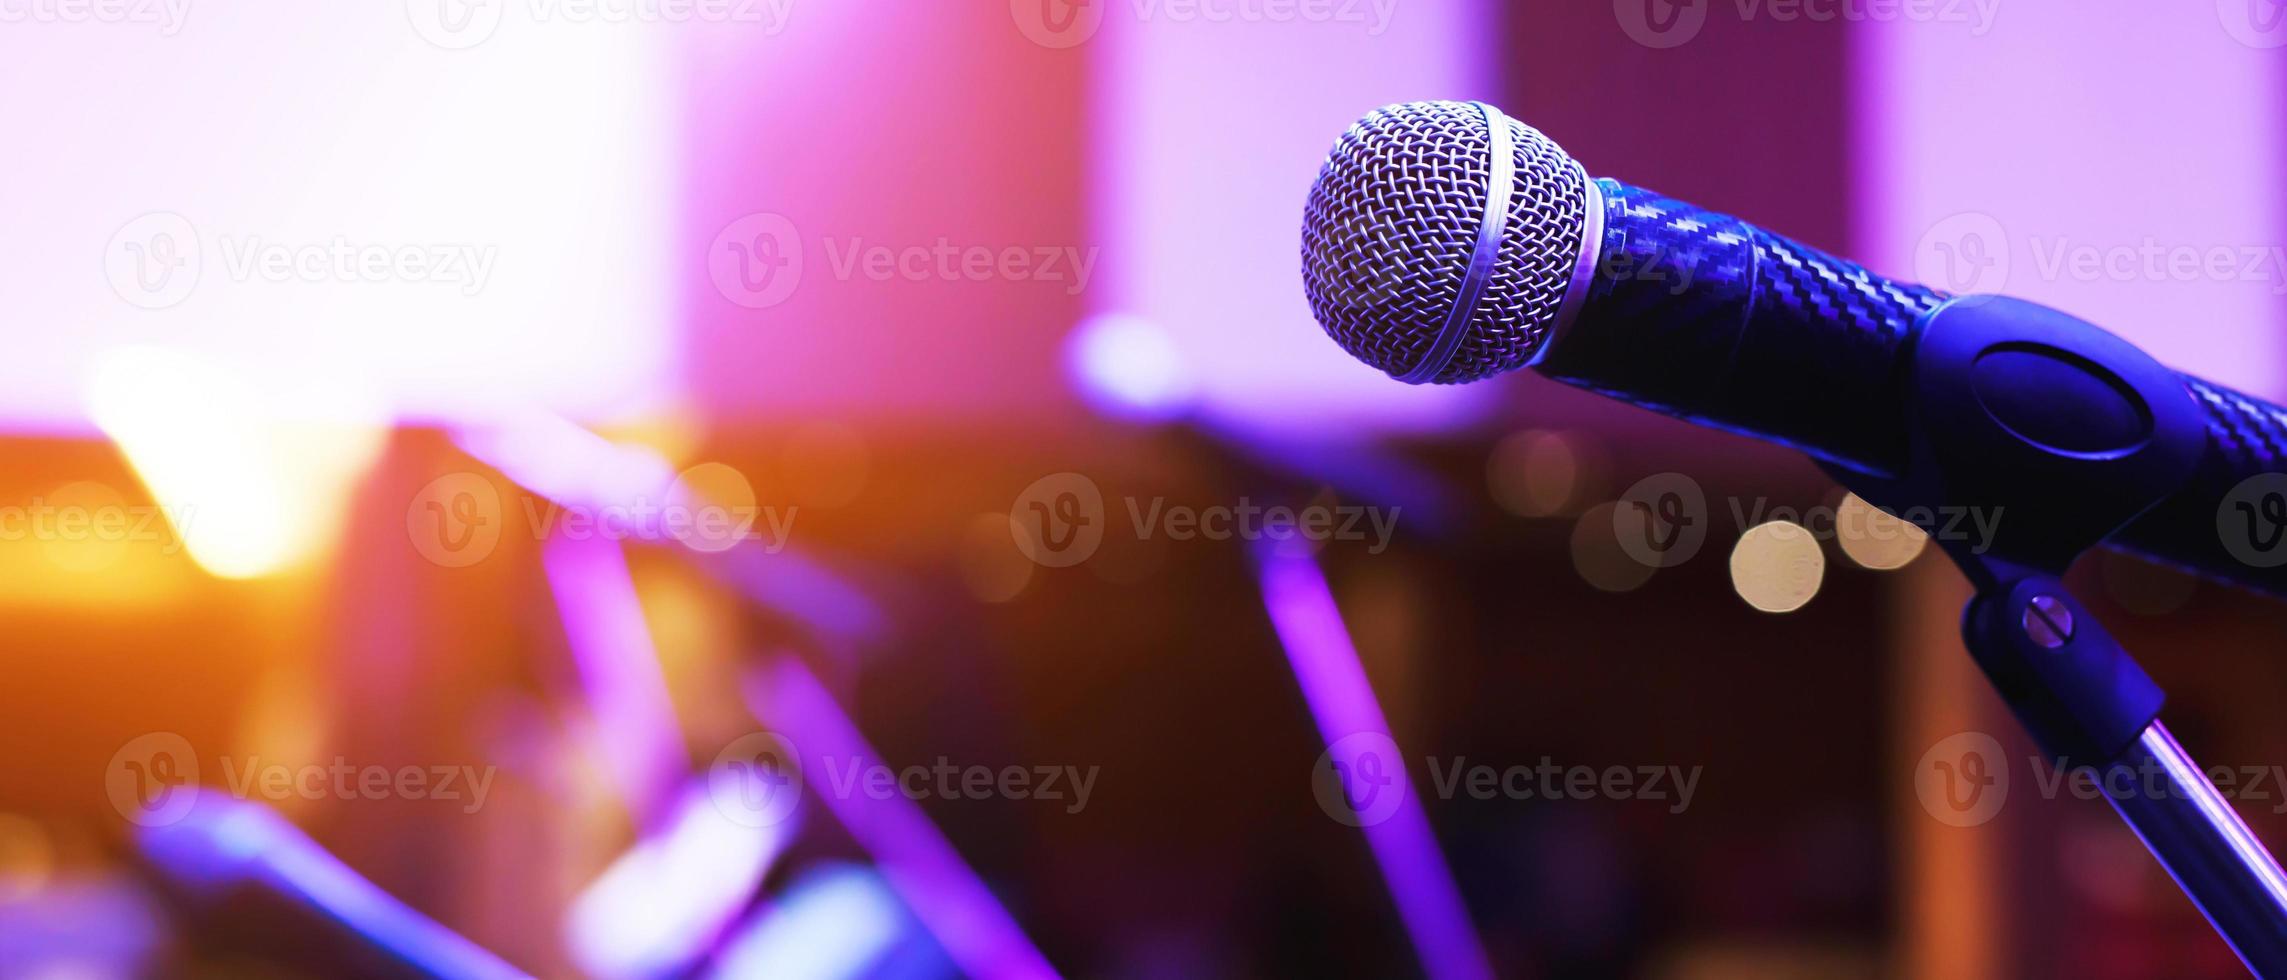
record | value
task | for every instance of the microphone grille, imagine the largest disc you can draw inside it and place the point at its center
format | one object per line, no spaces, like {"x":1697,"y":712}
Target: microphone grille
{"x":1393,"y":220}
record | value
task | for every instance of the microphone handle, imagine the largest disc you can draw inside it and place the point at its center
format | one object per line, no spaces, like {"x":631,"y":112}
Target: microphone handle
{"x":1705,"y":317}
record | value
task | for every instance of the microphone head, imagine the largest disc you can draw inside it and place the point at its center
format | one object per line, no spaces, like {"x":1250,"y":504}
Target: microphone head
{"x":1398,"y":219}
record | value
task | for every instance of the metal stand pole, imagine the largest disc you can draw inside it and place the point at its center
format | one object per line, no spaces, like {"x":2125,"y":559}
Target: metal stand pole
{"x":2195,"y":834}
{"x":2087,"y":703}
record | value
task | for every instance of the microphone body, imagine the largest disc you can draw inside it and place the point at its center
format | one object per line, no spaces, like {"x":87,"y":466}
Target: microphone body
{"x":1707,"y":318}
{"x":1444,"y":242}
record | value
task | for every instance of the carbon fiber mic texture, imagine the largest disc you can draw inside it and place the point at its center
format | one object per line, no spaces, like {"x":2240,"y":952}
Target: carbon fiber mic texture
{"x":2247,"y":438}
{"x":1701,"y":315}
{"x":1392,"y":222}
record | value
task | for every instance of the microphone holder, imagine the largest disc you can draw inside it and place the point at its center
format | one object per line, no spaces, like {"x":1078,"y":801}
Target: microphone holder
{"x":2063,"y":433}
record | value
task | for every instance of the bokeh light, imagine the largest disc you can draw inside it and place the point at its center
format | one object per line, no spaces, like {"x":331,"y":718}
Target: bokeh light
{"x":1874,"y":538}
{"x":1534,"y":473}
{"x":1127,"y":367}
{"x":1598,"y":556}
{"x":1777,"y":566}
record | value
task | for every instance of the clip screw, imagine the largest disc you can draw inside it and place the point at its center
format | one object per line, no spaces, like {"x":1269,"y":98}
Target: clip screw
{"x":2048,"y":622}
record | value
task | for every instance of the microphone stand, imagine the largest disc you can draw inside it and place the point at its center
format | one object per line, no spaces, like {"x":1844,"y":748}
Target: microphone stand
{"x":2066,"y":433}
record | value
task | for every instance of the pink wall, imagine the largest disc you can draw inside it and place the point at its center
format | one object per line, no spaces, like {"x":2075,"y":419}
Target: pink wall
{"x":947,"y":126}
{"x":2061,"y":136}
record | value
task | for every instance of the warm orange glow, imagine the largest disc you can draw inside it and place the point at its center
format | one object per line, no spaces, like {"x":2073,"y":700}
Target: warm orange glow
{"x":992,"y":567}
{"x":250,"y":490}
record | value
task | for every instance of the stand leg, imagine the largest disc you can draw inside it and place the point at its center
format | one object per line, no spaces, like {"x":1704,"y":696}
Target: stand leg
{"x":2192,"y":829}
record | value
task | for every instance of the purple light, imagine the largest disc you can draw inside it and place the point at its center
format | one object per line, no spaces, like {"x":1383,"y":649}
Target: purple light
{"x":800,"y":588}
{"x":82,"y":925}
{"x":571,"y":466}
{"x":943,"y":891}
{"x":222,"y":841}
{"x":838,"y":921}
{"x":635,"y":725}
{"x":1342,"y":702}
{"x":660,"y":906}
{"x":1128,"y":367}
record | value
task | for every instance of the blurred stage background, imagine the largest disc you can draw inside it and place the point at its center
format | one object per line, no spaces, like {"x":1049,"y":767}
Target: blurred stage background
{"x":329,"y":324}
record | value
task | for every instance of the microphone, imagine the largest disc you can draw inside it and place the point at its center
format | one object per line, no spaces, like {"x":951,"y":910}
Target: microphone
{"x":1707,"y":318}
